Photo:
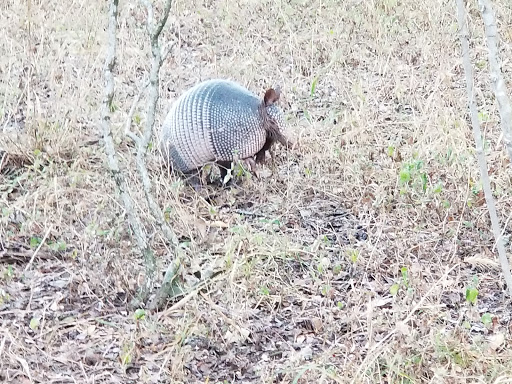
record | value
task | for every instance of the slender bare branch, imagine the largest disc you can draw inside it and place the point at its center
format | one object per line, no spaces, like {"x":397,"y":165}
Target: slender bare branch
{"x":154,"y":80}
{"x":150,"y":18}
{"x":165,"y":51}
{"x":169,"y":284}
{"x":128,"y":123}
{"x":162,"y":22}
{"x":127,"y":127}
{"x":497,"y":81}
{"x":113,"y":162}
{"x":479,"y":146}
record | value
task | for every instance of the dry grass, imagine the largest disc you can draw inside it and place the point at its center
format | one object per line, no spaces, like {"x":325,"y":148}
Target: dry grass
{"x":309,"y":256}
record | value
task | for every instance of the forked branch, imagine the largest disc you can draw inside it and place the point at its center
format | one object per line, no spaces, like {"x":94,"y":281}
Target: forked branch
{"x":113,"y":163}
{"x":169,"y":283}
{"x":143,"y":142}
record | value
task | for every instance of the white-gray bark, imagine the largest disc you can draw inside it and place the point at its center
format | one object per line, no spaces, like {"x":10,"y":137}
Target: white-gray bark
{"x":497,"y":81}
{"x":479,"y":146}
{"x":113,"y":163}
{"x":143,"y":142}
{"x":154,"y":83}
{"x":169,"y":285}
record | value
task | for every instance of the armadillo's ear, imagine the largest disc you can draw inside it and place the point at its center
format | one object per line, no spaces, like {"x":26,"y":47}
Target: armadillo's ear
{"x":271,"y":96}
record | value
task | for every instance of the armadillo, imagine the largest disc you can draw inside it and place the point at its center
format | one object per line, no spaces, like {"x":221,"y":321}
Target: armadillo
{"x":219,"y":121}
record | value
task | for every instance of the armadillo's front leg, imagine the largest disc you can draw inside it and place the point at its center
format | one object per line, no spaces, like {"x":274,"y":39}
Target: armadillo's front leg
{"x":267,"y":147}
{"x":260,"y":156}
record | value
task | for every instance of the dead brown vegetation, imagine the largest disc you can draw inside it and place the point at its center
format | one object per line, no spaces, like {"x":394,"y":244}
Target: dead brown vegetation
{"x":383,"y":190}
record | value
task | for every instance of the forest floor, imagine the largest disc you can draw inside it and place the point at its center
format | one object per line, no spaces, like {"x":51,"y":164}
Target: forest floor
{"x":349,"y":262}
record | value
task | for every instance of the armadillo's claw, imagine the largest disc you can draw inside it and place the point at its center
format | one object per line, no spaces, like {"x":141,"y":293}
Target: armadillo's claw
{"x":251,"y":165}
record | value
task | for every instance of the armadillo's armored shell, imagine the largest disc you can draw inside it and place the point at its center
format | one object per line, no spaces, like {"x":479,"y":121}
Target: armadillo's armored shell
{"x":216,"y":120}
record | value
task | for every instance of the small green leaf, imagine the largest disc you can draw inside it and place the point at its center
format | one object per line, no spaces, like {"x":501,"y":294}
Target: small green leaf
{"x":438,"y":188}
{"x":405,"y":176}
{"x":102,"y":232}
{"x":140,"y":314}
{"x":34,"y":323}
{"x":112,"y":106}
{"x":9,"y":272}
{"x":481,"y":64}
{"x":483,"y":116}
{"x":424,"y":180}
{"x":353,"y":255}
{"x":57,"y":246}
{"x":487,"y":318}
{"x":35,"y":241}
{"x":313,"y":85}
{"x":471,"y":295}
{"x":264,"y":291}
{"x":126,"y":356}
{"x":405,"y":274}
{"x":394,"y":289}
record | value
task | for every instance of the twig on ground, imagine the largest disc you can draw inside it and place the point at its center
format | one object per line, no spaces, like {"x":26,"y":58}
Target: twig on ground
{"x":210,"y":277}
{"x":37,"y":249}
{"x":479,"y":147}
{"x":497,"y":81}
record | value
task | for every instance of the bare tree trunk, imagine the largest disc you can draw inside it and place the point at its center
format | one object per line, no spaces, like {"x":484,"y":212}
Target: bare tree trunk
{"x":169,"y":287}
{"x":497,"y":81}
{"x":479,"y":147}
{"x":113,"y":163}
{"x":143,"y":142}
